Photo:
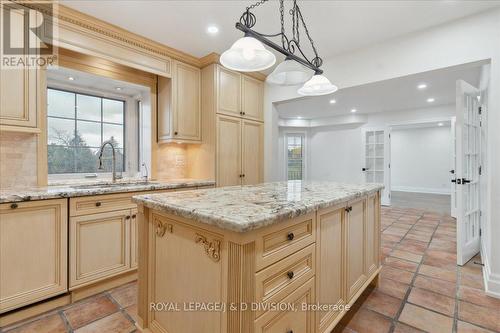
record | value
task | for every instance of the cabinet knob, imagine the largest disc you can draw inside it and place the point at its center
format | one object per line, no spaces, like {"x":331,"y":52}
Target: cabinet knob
{"x":241,"y":113}
{"x":134,"y":216}
{"x":127,"y":217}
{"x":175,"y":133}
{"x":244,"y":113}
{"x":243,"y":175}
{"x":14,"y":206}
{"x":290,"y":331}
{"x":290,"y":275}
{"x":348,"y":209}
{"x":290,"y":236}
{"x":98,"y":204}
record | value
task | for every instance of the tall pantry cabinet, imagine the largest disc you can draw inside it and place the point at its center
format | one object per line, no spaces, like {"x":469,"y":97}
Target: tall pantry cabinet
{"x":233,"y":128}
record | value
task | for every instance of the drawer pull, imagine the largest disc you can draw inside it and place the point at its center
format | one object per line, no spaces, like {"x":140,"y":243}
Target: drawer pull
{"x":290,"y":236}
{"x":290,"y":275}
{"x":98,"y":204}
{"x":14,"y":206}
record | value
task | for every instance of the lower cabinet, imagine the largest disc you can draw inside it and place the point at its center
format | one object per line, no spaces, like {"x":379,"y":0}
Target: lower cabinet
{"x":100,"y":246}
{"x":33,"y":252}
{"x":372,"y":229}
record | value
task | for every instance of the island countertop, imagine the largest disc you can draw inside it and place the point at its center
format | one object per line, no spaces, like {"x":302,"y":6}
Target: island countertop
{"x":245,"y":208}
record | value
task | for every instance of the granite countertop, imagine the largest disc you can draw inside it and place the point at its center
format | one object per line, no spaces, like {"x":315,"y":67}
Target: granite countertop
{"x":245,"y":208}
{"x":95,"y":188}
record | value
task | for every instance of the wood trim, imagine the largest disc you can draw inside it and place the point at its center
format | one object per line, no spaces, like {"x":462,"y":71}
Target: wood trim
{"x":42,"y":168}
{"x":19,"y":129}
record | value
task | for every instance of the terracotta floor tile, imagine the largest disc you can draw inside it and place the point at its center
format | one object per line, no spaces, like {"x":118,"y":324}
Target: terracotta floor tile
{"x":125,"y":295}
{"x":473,"y":281}
{"x":116,"y":323}
{"x":396,"y":274}
{"x":403,"y":328}
{"x":48,"y":324}
{"x":426,"y":320}
{"x":478,"y":297}
{"x":479,"y":315}
{"x":406,"y":255}
{"x":411,"y":248}
{"x":463,"y":327}
{"x":89,"y":310}
{"x":392,"y":288}
{"x":418,"y":237}
{"x":438,"y":273}
{"x":401,"y":264}
{"x":439,"y":286}
{"x":432,"y":301}
{"x":132,"y":311}
{"x":366,"y":321}
{"x":382,"y":303}
{"x":392,"y":238}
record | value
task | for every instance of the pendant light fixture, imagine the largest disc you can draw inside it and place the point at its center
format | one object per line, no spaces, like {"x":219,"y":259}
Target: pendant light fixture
{"x":249,"y":54}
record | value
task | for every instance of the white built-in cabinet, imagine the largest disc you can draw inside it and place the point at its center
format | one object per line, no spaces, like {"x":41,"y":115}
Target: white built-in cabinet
{"x":179,"y":105}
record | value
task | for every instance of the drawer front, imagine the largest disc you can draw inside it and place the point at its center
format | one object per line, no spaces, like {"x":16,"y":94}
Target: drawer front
{"x":280,"y":279}
{"x":104,"y":203}
{"x":281,"y":241}
{"x":290,"y":321}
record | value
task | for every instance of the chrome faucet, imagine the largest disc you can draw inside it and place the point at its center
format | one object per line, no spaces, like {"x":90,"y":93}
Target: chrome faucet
{"x":113,"y":165}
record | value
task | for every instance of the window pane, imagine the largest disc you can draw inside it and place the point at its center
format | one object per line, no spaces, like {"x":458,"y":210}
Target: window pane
{"x":60,"y":159}
{"x":115,"y":132}
{"x":88,"y":134}
{"x":88,"y":107}
{"x":60,"y":103}
{"x":60,"y":131}
{"x":86,"y":160}
{"x":112,"y":111}
{"x":295,"y":161}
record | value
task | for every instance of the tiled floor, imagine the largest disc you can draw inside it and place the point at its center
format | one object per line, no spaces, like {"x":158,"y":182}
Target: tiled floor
{"x":440,"y":203}
{"x":420,"y":289}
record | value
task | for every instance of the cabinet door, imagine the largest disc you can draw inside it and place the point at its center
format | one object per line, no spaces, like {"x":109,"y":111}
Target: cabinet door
{"x":186,"y":102}
{"x":330,"y":268}
{"x":228,"y":151}
{"x":252,"y":152}
{"x":134,"y":241}
{"x":181,"y":258}
{"x":372,"y":234}
{"x":18,"y":87}
{"x":229,"y":92}
{"x":99,"y":246}
{"x":355,"y":243}
{"x":252,"y":96}
{"x":33,"y":252}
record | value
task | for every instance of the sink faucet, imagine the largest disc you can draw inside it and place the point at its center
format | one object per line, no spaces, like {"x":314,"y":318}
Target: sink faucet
{"x":101,"y":151}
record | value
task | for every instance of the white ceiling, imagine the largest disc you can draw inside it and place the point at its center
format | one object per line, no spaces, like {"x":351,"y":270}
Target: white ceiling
{"x":336,"y":26}
{"x":389,"y":95}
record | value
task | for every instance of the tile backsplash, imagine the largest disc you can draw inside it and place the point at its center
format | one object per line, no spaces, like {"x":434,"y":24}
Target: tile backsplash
{"x":172,"y":161}
{"x":18,"y":153}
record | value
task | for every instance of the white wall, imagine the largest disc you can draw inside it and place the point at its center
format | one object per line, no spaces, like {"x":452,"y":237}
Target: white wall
{"x":471,"y":39}
{"x":421,"y":160}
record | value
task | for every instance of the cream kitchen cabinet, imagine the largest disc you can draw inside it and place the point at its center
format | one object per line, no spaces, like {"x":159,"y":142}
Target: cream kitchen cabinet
{"x":239,"y":151}
{"x":20,"y":90}
{"x":179,"y":105}
{"x":239,"y":95}
{"x":33,"y":252}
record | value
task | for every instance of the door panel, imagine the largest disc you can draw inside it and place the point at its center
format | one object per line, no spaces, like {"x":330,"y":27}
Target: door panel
{"x":187,"y":102}
{"x":228,"y":151}
{"x":252,"y":98}
{"x":252,"y":152}
{"x":377,"y":160}
{"x":372,"y":229}
{"x":229,"y":92}
{"x":468,"y":143}
{"x":356,"y":272}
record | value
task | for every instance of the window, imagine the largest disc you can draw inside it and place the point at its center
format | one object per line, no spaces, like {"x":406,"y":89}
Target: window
{"x":77,"y":126}
{"x":295,"y":156}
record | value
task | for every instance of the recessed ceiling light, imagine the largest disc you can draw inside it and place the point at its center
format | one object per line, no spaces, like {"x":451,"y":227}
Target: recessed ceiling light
{"x":440,"y":124}
{"x":118,"y":88}
{"x":354,"y":110}
{"x":71,"y":78}
{"x":332,"y":101}
{"x":299,"y":117}
{"x":212,"y":29}
{"x":422,"y":86}
{"x":430,"y":100}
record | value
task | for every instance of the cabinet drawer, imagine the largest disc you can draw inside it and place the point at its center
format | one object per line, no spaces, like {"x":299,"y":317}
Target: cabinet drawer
{"x":280,"y":241}
{"x":279,"y":280}
{"x":290,"y":321}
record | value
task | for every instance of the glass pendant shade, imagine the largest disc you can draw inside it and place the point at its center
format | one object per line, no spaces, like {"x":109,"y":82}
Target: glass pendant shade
{"x":247,"y":54}
{"x":318,"y":85}
{"x":289,"y":73}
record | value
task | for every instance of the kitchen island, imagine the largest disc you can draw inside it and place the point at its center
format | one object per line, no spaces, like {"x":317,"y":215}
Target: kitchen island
{"x":275,"y":257}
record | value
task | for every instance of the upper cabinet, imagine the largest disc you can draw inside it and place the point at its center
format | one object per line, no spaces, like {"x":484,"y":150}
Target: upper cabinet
{"x":19,"y":90}
{"x":239,"y":95}
{"x":179,"y":107}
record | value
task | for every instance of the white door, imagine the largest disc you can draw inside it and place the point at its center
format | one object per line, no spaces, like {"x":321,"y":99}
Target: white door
{"x":468,"y":143}
{"x":377,"y":160}
{"x":453,"y":166}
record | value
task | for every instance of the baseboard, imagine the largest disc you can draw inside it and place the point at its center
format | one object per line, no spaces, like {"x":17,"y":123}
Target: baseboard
{"x":421,"y":190}
{"x":491,"y":281}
